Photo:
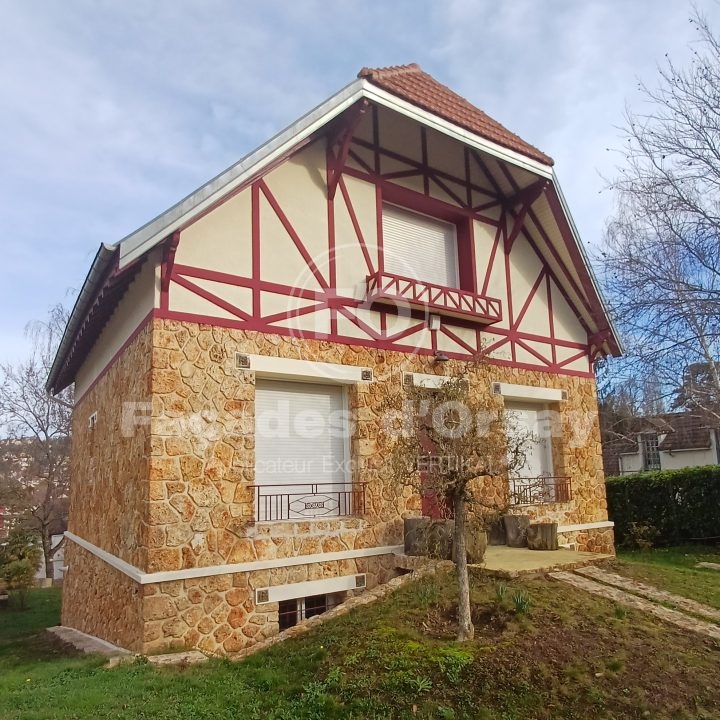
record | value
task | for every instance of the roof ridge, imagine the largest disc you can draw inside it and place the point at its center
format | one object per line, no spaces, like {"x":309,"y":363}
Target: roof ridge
{"x":390,"y":70}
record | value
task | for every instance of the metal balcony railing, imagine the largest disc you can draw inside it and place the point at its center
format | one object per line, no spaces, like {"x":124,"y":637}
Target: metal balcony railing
{"x":540,"y":490}
{"x":307,"y":501}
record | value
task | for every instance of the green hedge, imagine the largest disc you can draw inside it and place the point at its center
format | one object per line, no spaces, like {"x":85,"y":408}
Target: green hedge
{"x":680,"y":505}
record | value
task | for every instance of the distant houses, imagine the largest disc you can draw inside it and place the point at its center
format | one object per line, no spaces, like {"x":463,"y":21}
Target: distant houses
{"x":661,"y":442}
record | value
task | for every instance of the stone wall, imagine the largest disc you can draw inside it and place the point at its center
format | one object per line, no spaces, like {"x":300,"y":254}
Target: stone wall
{"x":597,"y":540}
{"x":176,"y":494}
{"x":109,"y":466}
{"x":218,"y":614}
{"x":100,"y":600}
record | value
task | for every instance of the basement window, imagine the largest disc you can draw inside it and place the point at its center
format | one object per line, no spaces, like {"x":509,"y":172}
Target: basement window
{"x":291,"y":612}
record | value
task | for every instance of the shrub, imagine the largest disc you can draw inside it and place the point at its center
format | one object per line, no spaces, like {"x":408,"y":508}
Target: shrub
{"x":19,"y":558}
{"x":674,"y":506}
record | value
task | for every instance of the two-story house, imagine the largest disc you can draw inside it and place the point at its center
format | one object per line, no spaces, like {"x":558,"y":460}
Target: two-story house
{"x":231,"y":357}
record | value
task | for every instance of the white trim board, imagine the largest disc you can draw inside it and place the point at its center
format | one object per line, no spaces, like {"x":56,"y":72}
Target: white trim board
{"x":291,"y":591}
{"x":268,"y":366}
{"x":530,"y":392}
{"x":144,"y":578}
{"x":427,"y":380}
{"x":586,"y":526}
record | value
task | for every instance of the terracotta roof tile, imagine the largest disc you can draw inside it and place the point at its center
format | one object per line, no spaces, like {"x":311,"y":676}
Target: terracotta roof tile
{"x":412,"y":84}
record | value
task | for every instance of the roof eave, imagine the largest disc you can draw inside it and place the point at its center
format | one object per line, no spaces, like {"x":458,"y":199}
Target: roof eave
{"x":96,"y":275}
{"x":615,"y":348}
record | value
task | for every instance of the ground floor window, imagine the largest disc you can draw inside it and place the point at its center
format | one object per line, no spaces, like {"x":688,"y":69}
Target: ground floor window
{"x":291,"y":612}
{"x":302,"y":434}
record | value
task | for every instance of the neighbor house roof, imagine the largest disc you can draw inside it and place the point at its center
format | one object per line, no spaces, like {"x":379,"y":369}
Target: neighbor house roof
{"x":681,"y":431}
{"x":411,"y":83}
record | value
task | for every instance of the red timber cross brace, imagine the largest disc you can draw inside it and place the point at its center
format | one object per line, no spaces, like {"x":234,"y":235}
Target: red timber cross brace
{"x":474,"y":195}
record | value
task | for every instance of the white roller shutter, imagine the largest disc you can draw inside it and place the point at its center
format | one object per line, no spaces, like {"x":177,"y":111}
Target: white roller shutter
{"x":299,"y":441}
{"x":419,"y":246}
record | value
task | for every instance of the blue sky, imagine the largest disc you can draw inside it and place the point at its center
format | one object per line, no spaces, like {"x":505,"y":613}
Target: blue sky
{"x":112,"y":111}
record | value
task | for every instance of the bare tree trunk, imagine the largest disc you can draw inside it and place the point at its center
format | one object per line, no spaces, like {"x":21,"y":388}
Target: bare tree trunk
{"x":466,"y":630}
{"x":46,"y":540}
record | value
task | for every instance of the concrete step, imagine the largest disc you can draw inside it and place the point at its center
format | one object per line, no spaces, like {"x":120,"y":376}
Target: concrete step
{"x":87,"y":643}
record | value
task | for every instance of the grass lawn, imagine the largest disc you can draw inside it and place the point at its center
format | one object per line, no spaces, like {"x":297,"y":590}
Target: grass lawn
{"x":673,"y":569}
{"x":570,"y":656}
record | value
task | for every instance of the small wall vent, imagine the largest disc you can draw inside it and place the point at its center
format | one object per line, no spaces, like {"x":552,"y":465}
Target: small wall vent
{"x":564,"y":394}
{"x":360,"y":581}
{"x":408,"y":380}
{"x":242,"y":362}
{"x":262,"y":595}
{"x":366,"y":374}
{"x":496,"y":390}
{"x":92,"y":421}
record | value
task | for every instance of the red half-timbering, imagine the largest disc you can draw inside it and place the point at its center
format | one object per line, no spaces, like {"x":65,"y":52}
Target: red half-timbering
{"x":482,"y":191}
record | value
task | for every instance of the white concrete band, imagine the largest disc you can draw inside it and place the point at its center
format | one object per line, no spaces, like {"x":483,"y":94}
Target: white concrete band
{"x":291,"y":591}
{"x":144,"y":578}
{"x":266,"y":366}
{"x":586,"y":526}
{"x":429,"y":381}
{"x":530,"y":392}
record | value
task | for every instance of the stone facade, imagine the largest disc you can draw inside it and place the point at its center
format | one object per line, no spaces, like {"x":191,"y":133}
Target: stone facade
{"x":175,"y":493}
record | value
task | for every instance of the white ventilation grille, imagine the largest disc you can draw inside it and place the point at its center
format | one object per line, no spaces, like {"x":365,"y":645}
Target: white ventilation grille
{"x":242,"y":362}
{"x":366,"y":375}
{"x":408,"y":380}
{"x":360,"y":581}
{"x":262,"y":596}
{"x":496,"y":389}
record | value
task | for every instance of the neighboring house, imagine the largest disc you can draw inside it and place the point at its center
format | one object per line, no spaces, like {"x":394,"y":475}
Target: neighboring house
{"x":662,"y":442}
{"x":231,"y":359}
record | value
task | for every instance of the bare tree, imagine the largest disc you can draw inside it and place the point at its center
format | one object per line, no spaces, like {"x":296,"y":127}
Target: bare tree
{"x":451,"y":441}
{"x":34,"y":457}
{"x":661,"y":264}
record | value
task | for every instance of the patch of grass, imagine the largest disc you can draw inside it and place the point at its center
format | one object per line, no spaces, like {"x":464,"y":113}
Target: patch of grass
{"x":392,"y":659}
{"x":673,"y":569}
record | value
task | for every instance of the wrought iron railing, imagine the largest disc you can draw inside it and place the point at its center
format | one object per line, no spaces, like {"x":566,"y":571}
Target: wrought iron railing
{"x":540,"y":490}
{"x":307,"y":501}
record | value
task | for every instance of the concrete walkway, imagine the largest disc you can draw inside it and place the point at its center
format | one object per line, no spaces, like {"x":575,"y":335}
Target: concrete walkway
{"x":675,"y":617}
{"x":651,"y":593}
{"x":708,"y":565}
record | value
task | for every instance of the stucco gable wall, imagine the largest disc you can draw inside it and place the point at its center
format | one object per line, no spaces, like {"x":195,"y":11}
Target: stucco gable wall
{"x":288,"y":212}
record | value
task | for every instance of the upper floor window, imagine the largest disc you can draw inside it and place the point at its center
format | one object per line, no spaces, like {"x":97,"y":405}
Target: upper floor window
{"x":420,"y":247}
{"x":650,"y":451}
